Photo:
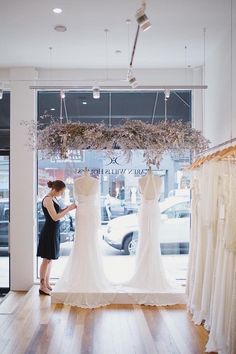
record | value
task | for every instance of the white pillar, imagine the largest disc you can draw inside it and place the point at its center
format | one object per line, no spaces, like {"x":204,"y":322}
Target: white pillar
{"x":22,"y":181}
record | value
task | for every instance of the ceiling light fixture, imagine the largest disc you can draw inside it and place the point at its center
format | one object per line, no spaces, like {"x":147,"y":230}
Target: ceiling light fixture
{"x":142,"y":19}
{"x":167,"y":94}
{"x":84,"y":102}
{"x":131,"y":78}
{"x":1,"y":94}
{"x":52,"y":109}
{"x":96,"y":92}
{"x":62,"y":94}
{"x":57,"y":10}
{"x":133,"y":82}
{"x":60,"y":28}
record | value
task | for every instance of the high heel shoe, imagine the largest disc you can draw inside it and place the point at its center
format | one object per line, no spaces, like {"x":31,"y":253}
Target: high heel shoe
{"x":41,"y":292}
{"x":49,"y":287}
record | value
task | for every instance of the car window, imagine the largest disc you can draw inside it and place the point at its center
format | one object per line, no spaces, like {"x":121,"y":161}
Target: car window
{"x":180,"y":210}
{"x":6,"y":214}
{"x":4,"y":211}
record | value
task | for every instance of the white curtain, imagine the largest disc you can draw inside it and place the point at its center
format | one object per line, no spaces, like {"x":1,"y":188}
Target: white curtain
{"x":211,"y":285}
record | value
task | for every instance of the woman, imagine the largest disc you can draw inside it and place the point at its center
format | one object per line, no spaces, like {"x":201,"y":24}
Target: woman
{"x":49,"y":239}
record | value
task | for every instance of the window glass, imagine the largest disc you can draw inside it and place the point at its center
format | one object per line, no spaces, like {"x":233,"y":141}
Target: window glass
{"x":119,"y":204}
{"x":119,"y":195}
{"x":4,"y":224}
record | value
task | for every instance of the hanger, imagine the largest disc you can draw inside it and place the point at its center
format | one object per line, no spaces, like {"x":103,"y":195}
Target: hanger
{"x":228,"y":152}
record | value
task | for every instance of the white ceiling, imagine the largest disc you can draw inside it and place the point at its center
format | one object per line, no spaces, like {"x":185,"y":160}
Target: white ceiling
{"x":26,"y":32}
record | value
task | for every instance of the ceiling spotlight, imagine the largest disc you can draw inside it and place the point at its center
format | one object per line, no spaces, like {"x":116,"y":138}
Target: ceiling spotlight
{"x":167,"y":94}
{"x":133,"y":82}
{"x":60,"y":28}
{"x":142,"y":19}
{"x":57,"y":10}
{"x":84,"y":102}
{"x":62,"y":94}
{"x":1,"y":94}
{"x":52,"y":109}
{"x":96,"y":92}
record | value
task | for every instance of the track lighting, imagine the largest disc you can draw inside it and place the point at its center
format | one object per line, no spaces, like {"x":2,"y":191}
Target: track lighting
{"x":62,"y":94}
{"x":142,"y":19}
{"x":96,"y":92}
{"x":1,"y":94}
{"x":131,"y":78}
{"x":167,"y":94}
{"x":133,"y":82}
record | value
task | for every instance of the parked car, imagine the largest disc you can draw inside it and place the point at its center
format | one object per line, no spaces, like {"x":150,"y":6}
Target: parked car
{"x":112,"y":208}
{"x":65,"y":224}
{"x":4,"y":220}
{"x":179,"y":192}
{"x":122,"y":232}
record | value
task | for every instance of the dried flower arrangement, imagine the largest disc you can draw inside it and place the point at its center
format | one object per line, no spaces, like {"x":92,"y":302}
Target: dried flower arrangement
{"x":155,"y":139}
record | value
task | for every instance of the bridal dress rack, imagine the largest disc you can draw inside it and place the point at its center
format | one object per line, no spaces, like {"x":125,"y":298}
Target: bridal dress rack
{"x":211,"y":284}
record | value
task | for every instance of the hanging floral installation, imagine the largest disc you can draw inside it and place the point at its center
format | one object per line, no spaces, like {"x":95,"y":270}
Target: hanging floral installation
{"x":155,"y":139}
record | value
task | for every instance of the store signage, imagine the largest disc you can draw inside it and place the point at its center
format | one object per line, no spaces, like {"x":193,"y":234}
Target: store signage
{"x":113,"y":161}
{"x":118,"y":171}
{"x":73,"y":156}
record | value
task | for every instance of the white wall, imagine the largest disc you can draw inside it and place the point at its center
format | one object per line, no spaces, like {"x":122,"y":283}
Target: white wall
{"x":219,"y":122}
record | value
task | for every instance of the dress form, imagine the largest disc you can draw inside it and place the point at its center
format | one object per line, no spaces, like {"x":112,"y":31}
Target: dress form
{"x":148,"y":190}
{"x":85,"y":184}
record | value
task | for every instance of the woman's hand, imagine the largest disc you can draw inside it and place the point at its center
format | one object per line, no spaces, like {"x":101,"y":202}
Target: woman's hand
{"x":72,"y":207}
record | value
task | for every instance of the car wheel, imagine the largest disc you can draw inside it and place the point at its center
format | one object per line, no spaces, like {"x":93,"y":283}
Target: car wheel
{"x":130,"y":245}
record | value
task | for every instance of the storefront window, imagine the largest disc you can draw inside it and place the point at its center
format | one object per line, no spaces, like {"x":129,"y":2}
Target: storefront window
{"x":119,"y":203}
{"x":119,"y":195}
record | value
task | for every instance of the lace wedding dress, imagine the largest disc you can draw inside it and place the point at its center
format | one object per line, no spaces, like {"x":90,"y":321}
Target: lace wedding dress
{"x":149,"y":274}
{"x":83,"y":282}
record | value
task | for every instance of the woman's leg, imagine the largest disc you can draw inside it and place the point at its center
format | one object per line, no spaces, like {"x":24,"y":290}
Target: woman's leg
{"x":43,"y":273}
{"x":49,"y":267}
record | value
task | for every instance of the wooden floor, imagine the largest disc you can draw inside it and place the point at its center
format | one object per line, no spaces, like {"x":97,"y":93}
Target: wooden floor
{"x":30,"y":324}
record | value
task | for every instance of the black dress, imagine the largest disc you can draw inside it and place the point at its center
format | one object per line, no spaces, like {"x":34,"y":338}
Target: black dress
{"x":49,"y":238}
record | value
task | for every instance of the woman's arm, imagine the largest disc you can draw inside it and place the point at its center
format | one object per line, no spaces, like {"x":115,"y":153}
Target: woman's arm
{"x":48,"y":204}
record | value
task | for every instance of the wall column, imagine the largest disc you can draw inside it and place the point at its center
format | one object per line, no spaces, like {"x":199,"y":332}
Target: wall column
{"x":22,"y":181}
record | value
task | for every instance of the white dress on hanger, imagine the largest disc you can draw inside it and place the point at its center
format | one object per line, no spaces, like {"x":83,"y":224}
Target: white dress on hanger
{"x":149,"y":274}
{"x":83,"y":278}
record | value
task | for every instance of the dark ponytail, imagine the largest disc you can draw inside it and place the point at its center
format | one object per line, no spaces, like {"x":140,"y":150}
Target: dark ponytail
{"x":57,"y":185}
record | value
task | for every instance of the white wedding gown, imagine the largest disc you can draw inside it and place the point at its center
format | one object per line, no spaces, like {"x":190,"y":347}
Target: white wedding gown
{"x":84,"y":283}
{"x":83,"y":280}
{"x":149,"y":274}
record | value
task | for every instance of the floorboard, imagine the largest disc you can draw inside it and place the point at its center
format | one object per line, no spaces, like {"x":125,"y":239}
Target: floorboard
{"x":30,"y":324}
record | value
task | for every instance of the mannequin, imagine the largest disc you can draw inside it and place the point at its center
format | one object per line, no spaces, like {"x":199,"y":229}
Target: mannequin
{"x":147,"y":190}
{"x":85,"y":184}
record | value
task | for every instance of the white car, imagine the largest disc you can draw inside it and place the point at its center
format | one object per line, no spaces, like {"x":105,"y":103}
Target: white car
{"x":122,"y":232}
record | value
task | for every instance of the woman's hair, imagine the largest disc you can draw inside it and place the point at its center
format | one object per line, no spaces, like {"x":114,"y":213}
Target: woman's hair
{"x":57,"y":185}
